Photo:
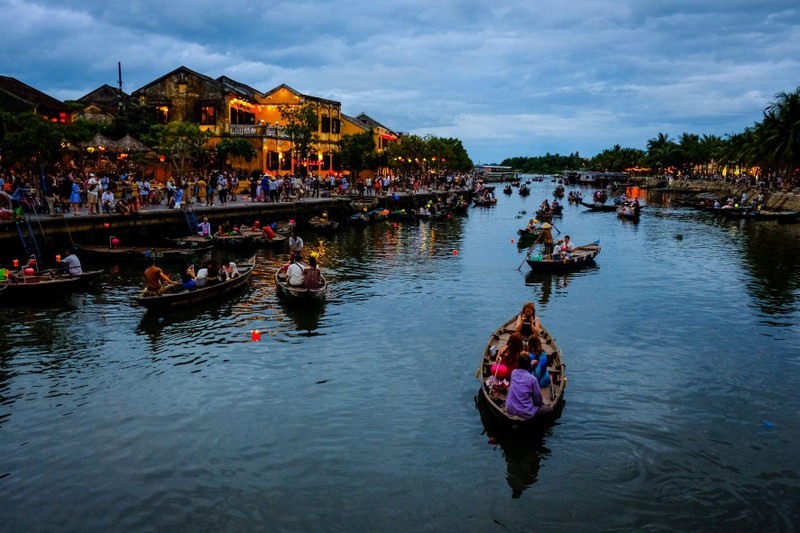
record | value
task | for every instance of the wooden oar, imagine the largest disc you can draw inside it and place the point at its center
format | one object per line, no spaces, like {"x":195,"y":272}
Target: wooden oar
{"x":528,"y":253}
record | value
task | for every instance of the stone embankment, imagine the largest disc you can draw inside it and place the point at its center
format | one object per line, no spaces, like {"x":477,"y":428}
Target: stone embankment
{"x":774,"y":200}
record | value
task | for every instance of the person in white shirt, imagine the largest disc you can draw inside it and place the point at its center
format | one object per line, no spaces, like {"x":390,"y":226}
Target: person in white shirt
{"x":294,"y":273}
{"x":108,"y":201}
{"x":72,"y":263}
{"x":295,"y":244}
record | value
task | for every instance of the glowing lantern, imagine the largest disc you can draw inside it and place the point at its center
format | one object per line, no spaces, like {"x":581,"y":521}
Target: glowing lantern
{"x":29,"y":271}
{"x":114,"y":241}
{"x":106,"y":224}
{"x":58,"y":258}
{"x":455,"y":252}
{"x":16,"y":262}
{"x":255,"y":335}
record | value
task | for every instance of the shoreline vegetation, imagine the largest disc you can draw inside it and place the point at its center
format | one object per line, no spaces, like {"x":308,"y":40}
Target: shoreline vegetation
{"x":766,"y":150}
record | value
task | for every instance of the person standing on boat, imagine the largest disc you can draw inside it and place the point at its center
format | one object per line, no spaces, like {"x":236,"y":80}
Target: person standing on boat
{"x":295,"y":243}
{"x":547,"y":239}
{"x":72,"y":263}
{"x":524,"y":395}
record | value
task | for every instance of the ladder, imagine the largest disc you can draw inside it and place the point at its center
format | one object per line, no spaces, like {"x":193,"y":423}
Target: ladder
{"x":29,"y":242}
{"x":191,"y":221}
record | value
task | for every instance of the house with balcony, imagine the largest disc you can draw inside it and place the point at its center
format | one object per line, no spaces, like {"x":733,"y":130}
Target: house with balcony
{"x":229,"y":108}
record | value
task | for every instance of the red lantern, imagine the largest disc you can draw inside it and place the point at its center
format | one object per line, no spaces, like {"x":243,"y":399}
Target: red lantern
{"x":255,"y":335}
{"x":16,"y":263}
{"x":114,"y":241}
{"x":29,"y":271}
{"x":257,"y":224}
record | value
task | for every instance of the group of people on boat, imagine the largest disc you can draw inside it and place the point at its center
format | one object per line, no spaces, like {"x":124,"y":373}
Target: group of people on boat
{"x":546,"y":208}
{"x":298,"y":275}
{"x":574,"y":196}
{"x":157,"y":282}
{"x":522,"y":364}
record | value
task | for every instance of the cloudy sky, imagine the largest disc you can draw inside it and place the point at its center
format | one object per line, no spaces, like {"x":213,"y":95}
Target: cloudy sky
{"x":508,"y":78}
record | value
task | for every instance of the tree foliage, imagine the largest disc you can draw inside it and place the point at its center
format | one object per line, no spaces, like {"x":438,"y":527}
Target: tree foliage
{"x":301,"y":125}
{"x":29,"y":141}
{"x":546,"y":164}
{"x":235,"y":147}
{"x":355,"y":151}
{"x":181,"y":142}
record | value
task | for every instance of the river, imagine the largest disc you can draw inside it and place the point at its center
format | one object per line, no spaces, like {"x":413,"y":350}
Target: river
{"x":682,"y":348}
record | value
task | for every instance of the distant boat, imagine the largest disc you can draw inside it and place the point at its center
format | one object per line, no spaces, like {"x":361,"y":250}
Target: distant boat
{"x":45,"y":284}
{"x":580,"y":256}
{"x":599,"y":207}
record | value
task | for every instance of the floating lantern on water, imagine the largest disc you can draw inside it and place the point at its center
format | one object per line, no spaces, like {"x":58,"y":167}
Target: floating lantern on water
{"x":255,"y":335}
{"x":106,"y":225}
{"x":512,"y":241}
{"x":455,"y":252}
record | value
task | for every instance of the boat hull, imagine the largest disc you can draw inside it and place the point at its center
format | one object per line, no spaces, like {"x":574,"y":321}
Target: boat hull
{"x":581,"y":256}
{"x":189,"y":298}
{"x":491,"y":401}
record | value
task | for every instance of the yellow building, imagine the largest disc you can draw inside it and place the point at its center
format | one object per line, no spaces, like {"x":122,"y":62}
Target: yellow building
{"x":232,"y":109}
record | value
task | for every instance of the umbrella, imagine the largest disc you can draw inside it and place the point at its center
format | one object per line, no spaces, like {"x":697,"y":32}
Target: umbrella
{"x":129,"y":144}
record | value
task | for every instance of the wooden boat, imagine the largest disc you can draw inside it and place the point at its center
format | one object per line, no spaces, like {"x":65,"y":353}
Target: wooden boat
{"x":559,"y":191}
{"x":359,"y":219}
{"x":191,"y":297}
{"x":628,"y":213}
{"x":508,"y":189}
{"x":527,"y":238}
{"x":492,"y":399}
{"x":599,"y":207}
{"x":259,"y":239}
{"x":600,"y":197}
{"x":323,"y":224}
{"x":292,"y":293}
{"x":524,"y":190}
{"x":376,"y":215}
{"x":581,"y":256}
{"x":46,"y":283}
{"x":235,"y":241}
{"x":783,"y":217}
{"x":193,"y":241}
{"x":400,"y":214}
{"x":139,"y":253}
{"x":574,"y":197}
{"x":485,"y":201}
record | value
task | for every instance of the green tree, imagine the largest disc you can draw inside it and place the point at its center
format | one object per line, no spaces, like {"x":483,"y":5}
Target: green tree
{"x":355,"y":151}
{"x":181,"y":142}
{"x":302,"y":124}
{"x":235,"y":147}
{"x":29,"y":141}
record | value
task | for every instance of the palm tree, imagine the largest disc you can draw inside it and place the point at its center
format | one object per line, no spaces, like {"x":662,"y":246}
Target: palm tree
{"x":780,"y":131}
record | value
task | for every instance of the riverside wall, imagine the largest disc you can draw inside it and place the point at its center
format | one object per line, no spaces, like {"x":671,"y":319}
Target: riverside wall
{"x":155,"y":223}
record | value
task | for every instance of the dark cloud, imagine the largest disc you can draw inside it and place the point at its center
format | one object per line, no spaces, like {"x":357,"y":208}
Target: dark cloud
{"x":510,"y":78}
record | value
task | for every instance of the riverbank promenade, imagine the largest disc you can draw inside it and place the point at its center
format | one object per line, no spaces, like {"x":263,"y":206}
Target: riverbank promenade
{"x":160,"y":220}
